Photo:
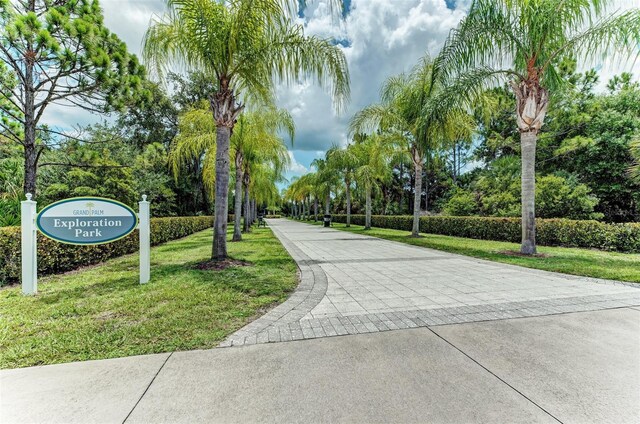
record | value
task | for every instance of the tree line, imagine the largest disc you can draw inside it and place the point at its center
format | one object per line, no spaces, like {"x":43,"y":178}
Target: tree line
{"x":414,"y":147}
{"x":60,"y":53}
{"x":458,"y":107}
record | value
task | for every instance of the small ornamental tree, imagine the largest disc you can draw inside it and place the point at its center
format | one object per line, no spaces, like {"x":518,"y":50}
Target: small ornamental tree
{"x":60,"y":53}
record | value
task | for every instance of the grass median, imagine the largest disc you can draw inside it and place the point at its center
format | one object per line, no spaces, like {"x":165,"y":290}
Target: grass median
{"x":102,"y":312}
{"x":585,"y":262}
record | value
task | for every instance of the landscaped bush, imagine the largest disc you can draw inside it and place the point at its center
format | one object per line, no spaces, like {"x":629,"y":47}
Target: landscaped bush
{"x":232,"y":217}
{"x":550,"y":232}
{"x":54,"y":257}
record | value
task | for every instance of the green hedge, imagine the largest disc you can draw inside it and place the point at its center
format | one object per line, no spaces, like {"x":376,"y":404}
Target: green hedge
{"x":550,"y":232}
{"x":232,"y":217}
{"x":54,"y":257}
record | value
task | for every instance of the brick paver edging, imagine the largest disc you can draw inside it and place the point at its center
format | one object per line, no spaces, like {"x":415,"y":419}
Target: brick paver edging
{"x":310,"y":291}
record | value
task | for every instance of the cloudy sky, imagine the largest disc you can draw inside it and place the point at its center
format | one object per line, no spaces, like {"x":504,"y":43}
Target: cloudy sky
{"x":380,"y":38}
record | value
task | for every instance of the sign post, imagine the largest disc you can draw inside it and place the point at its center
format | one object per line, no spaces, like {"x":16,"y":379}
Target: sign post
{"x":81,"y":221}
{"x":144,"y":232}
{"x":28,"y":245}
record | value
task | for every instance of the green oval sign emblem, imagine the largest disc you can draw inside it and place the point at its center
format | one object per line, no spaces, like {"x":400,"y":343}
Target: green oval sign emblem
{"x":86,"y":220}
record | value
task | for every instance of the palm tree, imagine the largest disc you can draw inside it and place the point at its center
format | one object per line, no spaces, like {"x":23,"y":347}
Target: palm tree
{"x":325,"y":181}
{"x":263,"y":185}
{"x":255,"y":140}
{"x":303,"y":188}
{"x":524,"y":41}
{"x":408,"y":115}
{"x":344,"y":162}
{"x":299,"y":191}
{"x":372,"y":168}
{"x":247,"y":45}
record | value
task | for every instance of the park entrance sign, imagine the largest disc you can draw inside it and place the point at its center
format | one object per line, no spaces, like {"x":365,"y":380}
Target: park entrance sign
{"x":87,"y":220}
{"x":81,"y":221}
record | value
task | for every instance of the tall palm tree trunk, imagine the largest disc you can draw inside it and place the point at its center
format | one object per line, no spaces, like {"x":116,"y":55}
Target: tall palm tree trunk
{"x":327,"y":204}
{"x":247,"y":214}
{"x":528,"y":147}
{"x":367,"y":221}
{"x":254,"y":210}
{"x":426,"y":188}
{"x":225,"y":112}
{"x":219,"y":251}
{"x":348,"y":195}
{"x":315,"y":207}
{"x":532,"y":101}
{"x":237,"y":209}
{"x":417,"y":195}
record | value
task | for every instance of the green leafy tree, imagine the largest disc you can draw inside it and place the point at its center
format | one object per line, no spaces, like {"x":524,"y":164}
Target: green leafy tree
{"x":10,"y":190}
{"x":634,"y":170}
{"x":300,"y":192}
{"x":98,"y":166}
{"x":462,"y":203}
{"x":496,"y":192}
{"x":525,"y":41}
{"x":558,"y":197}
{"x":151,"y":177}
{"x":245,"y":45}
{"x":60,"y":53}
{"x":155,"y":121}
{"x":499,"y":187}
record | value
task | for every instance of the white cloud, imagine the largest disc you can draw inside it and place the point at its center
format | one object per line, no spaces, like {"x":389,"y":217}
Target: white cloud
{"x":385,"y":38}
{"x":296,"y":168}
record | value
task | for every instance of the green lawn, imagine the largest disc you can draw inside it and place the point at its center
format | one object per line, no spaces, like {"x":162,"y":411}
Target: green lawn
{"x":590,"y":263}
{"x":102,"y":311}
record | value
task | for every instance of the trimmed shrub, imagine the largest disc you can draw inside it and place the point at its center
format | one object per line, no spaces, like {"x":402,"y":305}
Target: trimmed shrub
{"x":550,"y":232}
{"x":272,"y":216}
{"x":54,"y":257}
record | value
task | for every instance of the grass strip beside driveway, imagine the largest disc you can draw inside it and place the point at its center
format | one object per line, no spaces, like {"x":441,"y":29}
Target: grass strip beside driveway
{"x":585,"y":262}
{"x":102,"y":312}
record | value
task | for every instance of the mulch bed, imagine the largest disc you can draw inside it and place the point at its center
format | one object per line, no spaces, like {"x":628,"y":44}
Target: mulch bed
{"x":220,"y":265}
{"x":522,"y":255}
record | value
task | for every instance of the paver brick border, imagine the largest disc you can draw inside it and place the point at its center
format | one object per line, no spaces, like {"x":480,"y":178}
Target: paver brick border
{"x":310,"y":291}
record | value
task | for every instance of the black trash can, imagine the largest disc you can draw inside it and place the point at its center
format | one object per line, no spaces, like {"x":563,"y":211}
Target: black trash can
{"x":327,"y":220}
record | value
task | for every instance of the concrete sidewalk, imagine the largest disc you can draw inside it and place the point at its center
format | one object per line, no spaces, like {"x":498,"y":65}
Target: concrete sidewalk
{"x":579,"y":367}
